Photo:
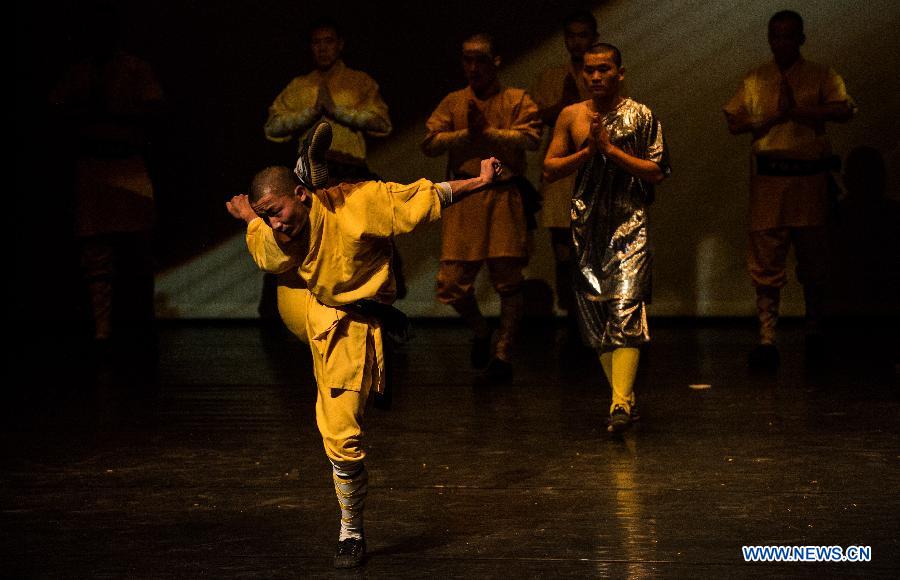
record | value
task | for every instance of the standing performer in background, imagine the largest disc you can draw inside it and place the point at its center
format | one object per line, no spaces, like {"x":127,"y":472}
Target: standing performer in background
{"x":482,"y":120}
{"x":109,"y":104}
{"x":785,"y":104}
{"x":348,"y":99}
{"x":336,"y":243}
{"x":557,"y":88}
{"x":617,"y":147}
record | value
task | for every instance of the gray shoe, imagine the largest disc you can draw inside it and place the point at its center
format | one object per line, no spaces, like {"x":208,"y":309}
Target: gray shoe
{"x":311,"y":168}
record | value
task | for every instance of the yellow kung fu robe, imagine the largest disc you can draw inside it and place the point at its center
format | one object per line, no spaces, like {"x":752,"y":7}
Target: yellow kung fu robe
{"x":360,"y":111}
{"x":343,"y":256}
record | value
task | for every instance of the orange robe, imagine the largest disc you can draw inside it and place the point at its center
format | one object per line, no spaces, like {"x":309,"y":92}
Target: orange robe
{"x":492,"y":223}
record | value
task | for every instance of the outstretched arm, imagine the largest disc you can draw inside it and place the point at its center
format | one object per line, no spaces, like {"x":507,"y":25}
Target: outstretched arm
{"x":381,"y":210}
{"x":491,"y":172}
{"x":451,"y":192}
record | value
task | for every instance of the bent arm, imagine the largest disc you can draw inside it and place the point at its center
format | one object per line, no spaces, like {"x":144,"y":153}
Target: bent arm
{"x":650,"y":164}
{"x":439,"y":142}
{"x":641,"y":168}
{"x":524,"y":132}
{"x":561,"y":160}
{"x":740,"y":122}
{"x":835,"y":106}
{"x":270,"y":254}
{"x":287,"y":118}
{"x":739,"y":118}
{"x":269,"y":250}
{"x":371,"y":114}
{"x":836,"y":112}
{"x":441,"y":133}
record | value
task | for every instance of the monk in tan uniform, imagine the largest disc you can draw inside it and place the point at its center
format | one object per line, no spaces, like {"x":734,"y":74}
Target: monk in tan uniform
{"x":784,"y":104}
{"x":556,"y":88}
{"x":110,"y":103}
{"x":348,"y":99}
{"x":485,"y":119}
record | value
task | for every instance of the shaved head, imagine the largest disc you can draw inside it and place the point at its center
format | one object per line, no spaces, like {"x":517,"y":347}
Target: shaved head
{"x":606,"y":48}
{"x":788,"y":16}
{"x":482,"y":38}
{"x":277,"y":197}
{"x":276,"y":180}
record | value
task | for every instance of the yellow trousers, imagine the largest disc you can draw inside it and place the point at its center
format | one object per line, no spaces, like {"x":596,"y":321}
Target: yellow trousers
{"x":347,"y":362}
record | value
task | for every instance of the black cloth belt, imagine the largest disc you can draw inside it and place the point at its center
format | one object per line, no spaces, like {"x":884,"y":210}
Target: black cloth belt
{"x":395,"y":330}
{"x":778,"y":166}
{"x":393,"y":321}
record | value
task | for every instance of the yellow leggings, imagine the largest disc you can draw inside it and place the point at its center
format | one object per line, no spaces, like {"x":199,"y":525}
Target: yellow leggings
{"x":620,"y":367}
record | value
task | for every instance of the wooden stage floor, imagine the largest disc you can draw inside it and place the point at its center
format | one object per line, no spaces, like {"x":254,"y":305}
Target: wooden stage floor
{"x":214,"y":468}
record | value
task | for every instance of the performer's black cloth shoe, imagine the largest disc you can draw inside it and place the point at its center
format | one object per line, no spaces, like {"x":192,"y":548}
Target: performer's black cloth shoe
{"x":350,"y":553}
{"x":764,"y":358}
{"x":619,"y":420}
{"x":499,"y":371}
{"x":481,"y":352}
{"x":635,"y":414}
{"x":311,"y":168}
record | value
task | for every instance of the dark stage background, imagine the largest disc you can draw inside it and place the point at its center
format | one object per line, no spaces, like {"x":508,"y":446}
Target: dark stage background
{"x":221,"y":64}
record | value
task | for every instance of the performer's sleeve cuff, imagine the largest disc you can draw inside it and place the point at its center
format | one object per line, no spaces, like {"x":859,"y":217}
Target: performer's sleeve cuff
{"x":444,"y":193}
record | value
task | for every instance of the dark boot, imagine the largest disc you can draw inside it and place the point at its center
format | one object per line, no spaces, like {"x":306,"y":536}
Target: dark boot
{"x":765,"y":356}
{"x":481,"y":343}
{"x":511,"y":310}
